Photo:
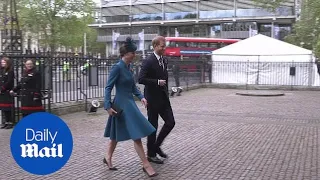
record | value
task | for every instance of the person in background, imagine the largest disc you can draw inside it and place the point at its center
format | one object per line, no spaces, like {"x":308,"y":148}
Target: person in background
{"x":85,"y":67}
{"x":6,"y":84}
{"x":29,"y":90}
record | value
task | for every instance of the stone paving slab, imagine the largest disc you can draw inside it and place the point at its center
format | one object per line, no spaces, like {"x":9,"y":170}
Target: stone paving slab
{"x":218,"y":135}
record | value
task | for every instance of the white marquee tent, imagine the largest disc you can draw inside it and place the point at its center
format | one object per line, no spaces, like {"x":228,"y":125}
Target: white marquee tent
{"x":264,"y":61}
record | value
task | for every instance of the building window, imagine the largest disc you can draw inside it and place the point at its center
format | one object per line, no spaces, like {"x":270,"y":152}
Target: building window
{"x":239,"y":26}
{"x":200,"y":31}
{"x":151,"y":30}
{"x":119,"y":18}
{"x":216,"y":28}
{"x":265,"y":29}
{"x":181,"y":15}
{"x":183,"y":30}
{"x":281,"y":11}
{"x":147,"y":17}
{"x":216,"y":14}
{"x":284,"y":30}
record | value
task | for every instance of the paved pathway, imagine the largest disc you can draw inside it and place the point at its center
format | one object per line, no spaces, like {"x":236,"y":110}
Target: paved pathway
{"x":218,"y":135}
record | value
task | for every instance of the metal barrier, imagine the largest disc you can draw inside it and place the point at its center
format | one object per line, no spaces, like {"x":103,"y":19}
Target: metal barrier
{"x":265,"y":73}
{"x":66,"y":79}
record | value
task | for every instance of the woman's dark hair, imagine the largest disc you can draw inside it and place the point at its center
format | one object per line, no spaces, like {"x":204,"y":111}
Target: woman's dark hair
{"x":122,"y":50}
{"x":29,"y":60}
{"x":9,"y":64}
{"x":127,"y":46}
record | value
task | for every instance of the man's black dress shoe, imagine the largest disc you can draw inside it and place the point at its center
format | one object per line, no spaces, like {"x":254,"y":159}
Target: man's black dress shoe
{"x":155,"y":160}
{"x":161,"y":153}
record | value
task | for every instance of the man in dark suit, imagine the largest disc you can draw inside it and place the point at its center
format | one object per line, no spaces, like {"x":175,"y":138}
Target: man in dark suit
{"x":154,"y":76}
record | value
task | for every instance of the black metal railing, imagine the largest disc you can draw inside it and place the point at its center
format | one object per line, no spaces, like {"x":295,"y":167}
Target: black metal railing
{"x":68,"y":78}
{"x":75,"y":81}
{"x":71,"y":82}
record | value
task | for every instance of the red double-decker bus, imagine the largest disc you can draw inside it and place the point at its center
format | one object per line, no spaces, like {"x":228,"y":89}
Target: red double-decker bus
{"x":193,"y":47}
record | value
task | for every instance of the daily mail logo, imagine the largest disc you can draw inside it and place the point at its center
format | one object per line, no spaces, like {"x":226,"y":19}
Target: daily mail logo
{"x":41,"y":143}
{"x":32,"y":150}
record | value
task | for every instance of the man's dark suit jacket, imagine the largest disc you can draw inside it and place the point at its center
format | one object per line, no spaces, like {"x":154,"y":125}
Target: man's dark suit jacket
{"x":150,"y":73}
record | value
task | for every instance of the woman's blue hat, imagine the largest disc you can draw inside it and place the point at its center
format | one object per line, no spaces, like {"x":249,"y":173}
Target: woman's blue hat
{"x":130,"y":45}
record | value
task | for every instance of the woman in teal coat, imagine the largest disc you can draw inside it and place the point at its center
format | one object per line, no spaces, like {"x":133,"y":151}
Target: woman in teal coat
{"x":131,"y":123}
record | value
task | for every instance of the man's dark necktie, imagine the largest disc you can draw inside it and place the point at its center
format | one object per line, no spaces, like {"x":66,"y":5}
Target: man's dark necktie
{"x":161,"y":63}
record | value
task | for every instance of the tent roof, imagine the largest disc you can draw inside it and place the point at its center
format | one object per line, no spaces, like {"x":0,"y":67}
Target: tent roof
{"x":261,"y":45}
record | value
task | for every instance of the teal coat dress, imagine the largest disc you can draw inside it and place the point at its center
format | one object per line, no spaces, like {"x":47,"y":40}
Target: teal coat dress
{"x":131,"y":124}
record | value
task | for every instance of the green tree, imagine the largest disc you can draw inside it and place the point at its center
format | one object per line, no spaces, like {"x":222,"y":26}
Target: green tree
{"x":306,"y":31}
{"x":56,"y":20}
{"x":73,"y":30}
{"x":92,"y":45}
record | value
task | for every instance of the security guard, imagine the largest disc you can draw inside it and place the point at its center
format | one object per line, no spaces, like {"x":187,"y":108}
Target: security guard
{"x":29,"y":89}
{"x":6,"y":84}
{"x":86,"y":67}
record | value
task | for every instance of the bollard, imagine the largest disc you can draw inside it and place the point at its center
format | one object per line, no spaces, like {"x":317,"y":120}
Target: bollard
{"x":93,"y":76}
